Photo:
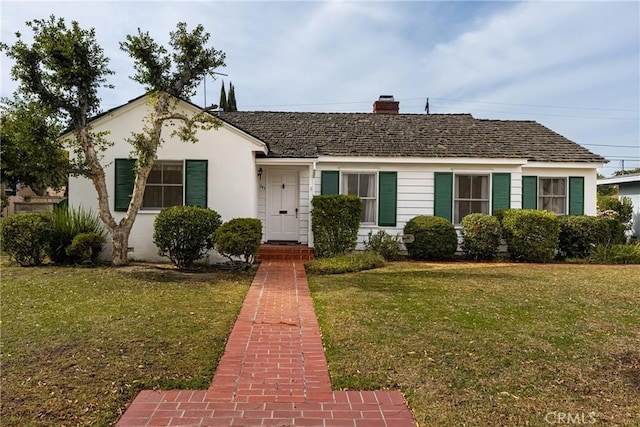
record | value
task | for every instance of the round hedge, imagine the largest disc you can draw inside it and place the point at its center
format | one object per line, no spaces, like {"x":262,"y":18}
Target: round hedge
{"x":239,"y":237}
{"x":25,"y":237}
{"x":435,"y":238}
{"x":481,"y":234}
{"x":532,"y":235}
{"x":184,"y":233}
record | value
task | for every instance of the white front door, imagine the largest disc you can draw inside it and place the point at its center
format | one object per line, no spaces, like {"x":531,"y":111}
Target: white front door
{"x":282,"y":205}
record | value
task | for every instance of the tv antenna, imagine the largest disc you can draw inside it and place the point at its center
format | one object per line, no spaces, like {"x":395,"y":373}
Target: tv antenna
{"x":213,"y":75}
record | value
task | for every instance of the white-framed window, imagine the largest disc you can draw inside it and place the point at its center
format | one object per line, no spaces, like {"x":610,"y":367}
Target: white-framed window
{"x":552,"y":195}
{"x":471,"y":195}
{"x":363,"y":185}
{"x":165,"y":185}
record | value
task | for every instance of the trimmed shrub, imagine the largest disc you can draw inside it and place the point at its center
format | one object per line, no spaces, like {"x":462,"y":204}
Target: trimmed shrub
{"x":532,"y":235}
{"x":481,"y":236}
{"x":389,"y":247}
{"x":335,"y":223}
{"x":85,"y":247}
{"x":347,"y":263}
{"x":579,"y":234}
{"x":622,"y":206}
{"x":25,"y":237}
{"x":184,"y":233}
{"x":66,"y":224}
{"x":619,"y":212}
{"x":435,"y":238}
{"x":616,"y":230}
{"x":239,"y":237}
{"x":615,"y":254}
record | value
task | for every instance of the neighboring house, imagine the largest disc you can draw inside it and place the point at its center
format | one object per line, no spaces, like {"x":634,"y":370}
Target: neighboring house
{"x":24,"y":200}
{"x":628,"y":186}
{"x":269,"y":165}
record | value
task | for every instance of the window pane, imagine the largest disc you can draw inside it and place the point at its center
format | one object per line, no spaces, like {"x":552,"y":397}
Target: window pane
{"x":172,"y":196}
{"x":545,"y":187}
{"x":479,"y":187}
{"x":367,"y":185}
{"x":368,"y":211}
{"x":350,"y":184}
{"x":462,"y":208}
{"x":463,"y":186}
{"x":553,"y":204}
{"x":155,"y":177}
{"x":559,"y":189}
{"x":478,"y":206}
{"x":152,"y":197}
{"x":172,"y":174}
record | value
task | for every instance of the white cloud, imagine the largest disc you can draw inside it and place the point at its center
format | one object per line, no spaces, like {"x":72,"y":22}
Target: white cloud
{"x":339,"y":56}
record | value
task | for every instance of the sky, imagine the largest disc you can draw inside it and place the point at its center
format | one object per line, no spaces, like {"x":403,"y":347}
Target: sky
{"x":573,"y":66}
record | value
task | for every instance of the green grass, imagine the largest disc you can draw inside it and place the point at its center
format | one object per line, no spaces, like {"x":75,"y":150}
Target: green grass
{"x":79,"y":343}
{"x":488,"y":344}
{"x":347,"y":263}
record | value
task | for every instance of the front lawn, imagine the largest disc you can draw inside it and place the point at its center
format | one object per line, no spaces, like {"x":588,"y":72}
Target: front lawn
{"x":489,"y":344}
{"x":79,"y":343}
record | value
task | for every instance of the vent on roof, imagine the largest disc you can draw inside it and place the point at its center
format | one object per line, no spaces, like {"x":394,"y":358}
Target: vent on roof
{"x":386,"y":105}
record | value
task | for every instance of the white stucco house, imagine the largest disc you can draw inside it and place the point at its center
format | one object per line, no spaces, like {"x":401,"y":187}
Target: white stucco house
{"x":269,"y":165}
{"x":628,"y":186}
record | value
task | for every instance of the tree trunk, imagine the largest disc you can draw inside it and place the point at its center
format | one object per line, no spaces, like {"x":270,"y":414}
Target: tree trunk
{"x":120,"y":236}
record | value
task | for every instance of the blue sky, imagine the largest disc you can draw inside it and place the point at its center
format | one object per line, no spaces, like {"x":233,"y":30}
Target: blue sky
{"x":572,"y":66}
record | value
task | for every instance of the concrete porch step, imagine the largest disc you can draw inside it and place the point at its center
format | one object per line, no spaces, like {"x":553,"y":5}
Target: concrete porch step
{"x":279,"y":252}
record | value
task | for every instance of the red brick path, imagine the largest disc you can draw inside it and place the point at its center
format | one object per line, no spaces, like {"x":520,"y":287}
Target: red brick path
{"x":273,"y":371}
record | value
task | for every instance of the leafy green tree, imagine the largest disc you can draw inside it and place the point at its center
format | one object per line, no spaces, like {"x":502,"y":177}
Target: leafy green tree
{"x":231,"y":99}
{"x":606,"y":189}
{"x":626,"y":172}
{"x":223,"y":98}
{"x":30,"y":153}
{"x":168,"y":77}
{"x":63,"y":68}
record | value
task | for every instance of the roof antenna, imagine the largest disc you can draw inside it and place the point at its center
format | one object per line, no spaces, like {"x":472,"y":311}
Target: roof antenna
{"x":204,"y":81}
{"x":426,"y":106}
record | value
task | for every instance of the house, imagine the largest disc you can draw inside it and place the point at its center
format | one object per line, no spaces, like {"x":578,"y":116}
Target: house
{"x":23,"y":199}
{"x":269,"y":165}
{"x":628,"y":186}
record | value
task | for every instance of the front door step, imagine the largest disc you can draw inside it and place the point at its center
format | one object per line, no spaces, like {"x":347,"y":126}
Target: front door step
{"x":275,"y":252}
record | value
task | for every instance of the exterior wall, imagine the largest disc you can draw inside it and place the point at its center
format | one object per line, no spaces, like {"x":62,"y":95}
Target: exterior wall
{"x":26,"y":201}
{"x":632,"y":191}
{"x":232,"y":183}
{"x":560,"y":171}
{"x":415,"y":193}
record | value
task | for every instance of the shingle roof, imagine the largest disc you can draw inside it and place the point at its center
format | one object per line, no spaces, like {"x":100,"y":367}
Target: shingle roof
{"x":303,"y":135}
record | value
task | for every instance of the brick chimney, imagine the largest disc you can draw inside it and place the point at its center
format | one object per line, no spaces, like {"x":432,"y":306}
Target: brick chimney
{"x":386,"y":105}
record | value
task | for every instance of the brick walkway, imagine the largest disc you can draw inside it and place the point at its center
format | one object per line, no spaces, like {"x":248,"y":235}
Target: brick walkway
{"x":273,"y":371}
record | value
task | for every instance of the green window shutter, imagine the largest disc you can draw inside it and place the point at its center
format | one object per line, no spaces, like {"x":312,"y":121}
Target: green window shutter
{"x":388,"y":198}
{"x":196,"y":183}
{"x":529,"y":192}
{"x":501,"y":191}
{"x":330,"y":183}
{"x":124,"y":180}
{"x":576,"y":195}
{"x":443,"y":197}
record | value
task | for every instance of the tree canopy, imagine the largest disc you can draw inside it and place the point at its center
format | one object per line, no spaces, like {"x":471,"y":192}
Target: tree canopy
{"x":626,"y":172}
{"x":223,"y":98}
{"x":30,"y":153}
{"x":178,"y":72}
{"x":231,"y":99}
